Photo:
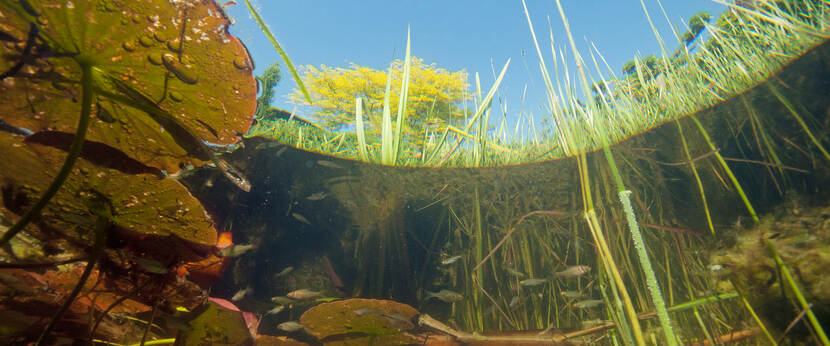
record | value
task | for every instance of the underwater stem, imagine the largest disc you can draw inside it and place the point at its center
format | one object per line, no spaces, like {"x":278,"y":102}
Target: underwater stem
{"x":639,"y":244}
{"x":97,"y":250}
{"x":726,"y":168}
{"x":68,"y":163}
{"x":697,"y":177}
{"x":798,"y":295}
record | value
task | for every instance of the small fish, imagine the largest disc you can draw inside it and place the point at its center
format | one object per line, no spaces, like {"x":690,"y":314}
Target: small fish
{"x":236,"y":250}
{"x":366,"y":311}
{"x":515,"y":302}
{"x":328,"y":164}
{"x":277,"y":309}
{"x":284,"y":272}
{"x":150,"y":266}
{"x":532,"y":282}
{"x":514,"y":272}
{"x":587,"y":304}
{"x":571,"y":294}
{"x":303,"y":294}
{"x":301,"y":218}
{"x":316,"y":196}
{"x":446,"y":296}
{"x":282,"y":151}
{"x":241,"y":294}
{"x":574,"y":271}
{"x":451,"y":260}
{"x":290,"y":326}
{"x":282,"y":300}
{"x":397,"y":321}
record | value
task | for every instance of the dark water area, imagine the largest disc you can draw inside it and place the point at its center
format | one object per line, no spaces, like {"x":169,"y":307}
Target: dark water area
{"x":355,"y":229}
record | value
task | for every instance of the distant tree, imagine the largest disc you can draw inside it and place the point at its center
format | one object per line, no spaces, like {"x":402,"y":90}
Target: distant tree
{"x":651,"y":65}
{"x":267,"y":81}
{"x":434,"y":94}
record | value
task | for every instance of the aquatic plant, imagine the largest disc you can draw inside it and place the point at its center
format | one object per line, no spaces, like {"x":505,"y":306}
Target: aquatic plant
{"x":150,"y":84}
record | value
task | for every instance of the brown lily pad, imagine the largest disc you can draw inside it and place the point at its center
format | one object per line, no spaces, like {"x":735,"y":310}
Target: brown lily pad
{"x":212,"y":324}
{"x":359,"y":321}
{"x":157,"y":218}
{"x":167,"y":75}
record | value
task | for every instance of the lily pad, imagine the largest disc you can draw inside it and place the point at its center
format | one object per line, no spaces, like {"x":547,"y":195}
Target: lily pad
{"x":167,"y":74}
{"x":360,"y":321}
{"x":156,"y":218}
{"x":214,"y":325}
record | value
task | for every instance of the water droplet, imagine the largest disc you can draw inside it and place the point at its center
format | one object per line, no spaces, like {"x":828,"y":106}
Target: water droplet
{"x":241,"y":63}
{"x":175,"y":45}
{"x":159,"y":37}
{"x":146,"y":41}
{"x":128,"y":46}
{"x":155,"y":58}
{"x":176,"y":96}
{"x":183,"y":72}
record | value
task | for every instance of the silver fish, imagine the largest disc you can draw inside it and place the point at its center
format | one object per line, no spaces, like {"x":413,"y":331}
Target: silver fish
{"x":282,"y":300}
{"x":397,"y":321}
{"x":301,"y":218}
{"x":290,"y":326}
{"x":284,"y":272}
{"x":366,"y":311}
{"x":446,"y":296}
{"x":150,"y":265}
{"x":236,"y":250}
{"x":532,"y":282}
{"x":514,"y":272}
{"x":303,"y":294}
{"x":451,"y":260}
{"x":571,"y":294}
{"x":241,"y":294}
{"x":587,"y":304}
{"x":328,"y":164}
{"x":282,"y":151}
{"x":277,"y":309}
{"x":316,"y":196}
{"x":574,"y":271}
{"x":515,"y":302}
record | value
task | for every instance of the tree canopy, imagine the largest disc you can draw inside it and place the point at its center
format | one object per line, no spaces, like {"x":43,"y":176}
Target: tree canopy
{"x":435,"y":94}
{"x":267,"y":81}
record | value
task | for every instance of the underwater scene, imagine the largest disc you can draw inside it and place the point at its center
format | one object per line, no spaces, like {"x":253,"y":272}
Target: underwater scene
{"x":158,"y":187}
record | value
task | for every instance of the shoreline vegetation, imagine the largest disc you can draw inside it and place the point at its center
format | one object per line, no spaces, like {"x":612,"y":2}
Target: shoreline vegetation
{"x":747,"y":45}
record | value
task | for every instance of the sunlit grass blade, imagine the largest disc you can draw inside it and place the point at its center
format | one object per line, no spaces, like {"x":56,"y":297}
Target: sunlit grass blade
{"x":279,"y":49}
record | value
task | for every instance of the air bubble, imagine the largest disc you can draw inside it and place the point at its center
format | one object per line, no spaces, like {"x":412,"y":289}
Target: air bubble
{"x":155,"y":58}
{"x":175,"y":45}
{"x":241,"y":63}
{"x":146,"y":41}
{"x":176,"y":96}
{"x":128,"y":46}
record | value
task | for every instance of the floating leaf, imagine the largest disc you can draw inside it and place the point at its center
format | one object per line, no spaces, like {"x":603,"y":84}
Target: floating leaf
{"x":357,"y":321}
{"x":167,"y":74}
{"x":157,"y":218}
{"x":214,"y":325}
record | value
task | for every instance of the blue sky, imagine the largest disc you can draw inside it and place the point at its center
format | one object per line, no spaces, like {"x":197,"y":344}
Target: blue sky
{"x":455,"y":34}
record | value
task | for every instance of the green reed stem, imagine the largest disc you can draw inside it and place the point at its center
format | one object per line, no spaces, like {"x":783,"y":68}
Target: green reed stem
{"x":798,"y":295}
{"x":726,"y":168}
{"x":645,"y":262}
{"x":697,"y":177}
{"x":758,"y":320}
{"x":787,"y":104}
